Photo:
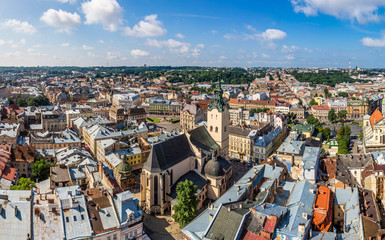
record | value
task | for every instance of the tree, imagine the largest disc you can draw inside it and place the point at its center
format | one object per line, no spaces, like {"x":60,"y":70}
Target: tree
{"x":361,"y":136}
{"x":326,"y":133}
{"x":291,"y":118}
{"x":343,"y":139}
{"x":185,"y":209}
{"x":343,"y":94}
{"x":332,"y":117}
{"x":23,"y":184}
{"x":21,"y":102}
{"x":342,"y":115}
{"x":312,"y":102}
{"x":312,"y":120}
{"x":10,"y":101}
{"x":41,"y":169}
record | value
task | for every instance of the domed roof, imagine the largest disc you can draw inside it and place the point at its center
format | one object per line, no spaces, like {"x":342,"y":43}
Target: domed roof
{"x":124,"y":167}
{"x":213,"y":168}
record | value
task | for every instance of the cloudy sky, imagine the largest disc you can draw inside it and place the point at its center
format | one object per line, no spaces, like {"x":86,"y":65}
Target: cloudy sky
{"x":303,"y":33}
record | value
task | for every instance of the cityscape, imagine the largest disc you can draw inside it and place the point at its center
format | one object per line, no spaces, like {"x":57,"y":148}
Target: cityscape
{"x":192,"y":120}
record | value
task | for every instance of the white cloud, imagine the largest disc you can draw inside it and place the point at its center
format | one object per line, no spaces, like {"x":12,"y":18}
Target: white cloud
{"x":176,"y":46}
{"x":68,"y":1}
{"x":85,"y":47}
{"x":179,"y":35}
{"x":289,"y":57}
{"x":362,"y":11}
{"x":222,"y":57}
{"x":2,"y":42}
{"x":373,"y":42}
{"x":139,"y":53}
{"x":230,"y":36}
{"x":65,"y":44}
{"x":273,"y":34}
{"x":34,"y":52}
{"x":23,"y":41}
{"x":251,"y":28}
{"x":101,"y":41}
{"x":289,"y":49}
{"x":149,"y":27}
{"x":13,"y":54}
{"x":264,"y":55}
{"x":171,"y":43}
{"x":90,"y":54}
{"x":113,"y":55}
{"x":105,"y":12}
{"x":64,"y":21}
{"x":308,"y":50}
{"x":19,"y":27}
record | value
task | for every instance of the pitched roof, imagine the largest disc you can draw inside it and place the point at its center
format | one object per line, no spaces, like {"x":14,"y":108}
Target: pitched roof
{"x":375,"y":117}
{"x":192,"y":176}
{"x":165,"y":154}
{"x":201,"y":139}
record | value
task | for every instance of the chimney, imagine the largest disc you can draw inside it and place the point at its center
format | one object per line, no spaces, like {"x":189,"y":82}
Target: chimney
{"x":304,"y":215}
{"x":301,"y":228}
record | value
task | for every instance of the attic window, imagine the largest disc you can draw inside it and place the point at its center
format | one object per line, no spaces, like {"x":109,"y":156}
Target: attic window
{"x":75,"y":218}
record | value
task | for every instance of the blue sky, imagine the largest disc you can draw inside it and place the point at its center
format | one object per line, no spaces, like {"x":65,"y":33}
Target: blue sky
{"x":288,"y":33}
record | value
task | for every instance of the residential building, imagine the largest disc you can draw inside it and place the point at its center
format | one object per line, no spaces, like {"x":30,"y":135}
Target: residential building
{"x":238,"y":116}
{"x":241,"y":140}
{"x":22,"y":159}
{"x":320,"y":112}
{"x":80,"y":112}
{"x":190,"y":116}
{"x":265,"y":145}
{"x":123,"y":99}
{"x":53,"y":121}
{"x":323,"y":211}
{"x":97,"y":132}
{"x":252,"y":104}
{"x":49,"y":140}
{"x":117,"y":114}
{"x":74,"y":213}
{"x":15,"y":211}
{"x":374,"y":131}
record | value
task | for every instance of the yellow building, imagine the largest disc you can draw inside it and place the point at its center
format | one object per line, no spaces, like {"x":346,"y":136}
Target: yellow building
{"x":241,"y":142}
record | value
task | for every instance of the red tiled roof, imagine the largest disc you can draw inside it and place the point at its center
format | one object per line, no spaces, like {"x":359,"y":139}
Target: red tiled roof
{"x":320,"y":107}
{"x":322,"y":208}
{"x":9,"y":173}
{"x":252,"y":236}
{"x":270,"y":224}
{"x":376,"y":116}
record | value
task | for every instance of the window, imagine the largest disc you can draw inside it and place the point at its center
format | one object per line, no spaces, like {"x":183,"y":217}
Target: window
{"x":82,"y":216}
{"x":115,"y":237}
{"x":216,"y":129}
{"x":126,"y":237}
{"x":196,"y":164}
{"x":75,"y":218}
{"x":211,"y":128}
{"x":339,"y":215}
{"x":67,"y":219}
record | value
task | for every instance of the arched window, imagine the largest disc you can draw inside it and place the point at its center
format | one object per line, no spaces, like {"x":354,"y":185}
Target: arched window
{"x":196,"y":163}
{"x":155,"y":190}
{"x":211,"y":128}
{"x":225,"y":128}
{"x":216,"y":129}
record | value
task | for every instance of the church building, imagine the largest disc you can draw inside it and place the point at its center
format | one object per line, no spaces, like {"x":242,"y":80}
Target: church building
{"x":199,"y":155}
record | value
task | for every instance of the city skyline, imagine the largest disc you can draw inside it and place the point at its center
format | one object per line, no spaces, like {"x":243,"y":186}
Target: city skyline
{"x":282,"y":33}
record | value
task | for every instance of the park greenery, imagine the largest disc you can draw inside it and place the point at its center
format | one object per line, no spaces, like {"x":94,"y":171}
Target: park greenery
{"x":23,"y":184}
{"x":187,"y":202}
{"x":313,"y":102}
{"x":41,"y":169}
{"x":40,"y":100}
{"x":153,"y":120}
{"x":330,"y":78}
{"x":343,"y":139}
{"x":259,"y":110}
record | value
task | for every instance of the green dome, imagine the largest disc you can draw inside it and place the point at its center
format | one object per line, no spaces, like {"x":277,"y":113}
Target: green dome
{"x":124,"y":167}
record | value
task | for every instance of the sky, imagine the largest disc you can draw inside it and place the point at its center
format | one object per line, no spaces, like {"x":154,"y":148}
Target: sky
{"x":258,"y":33}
